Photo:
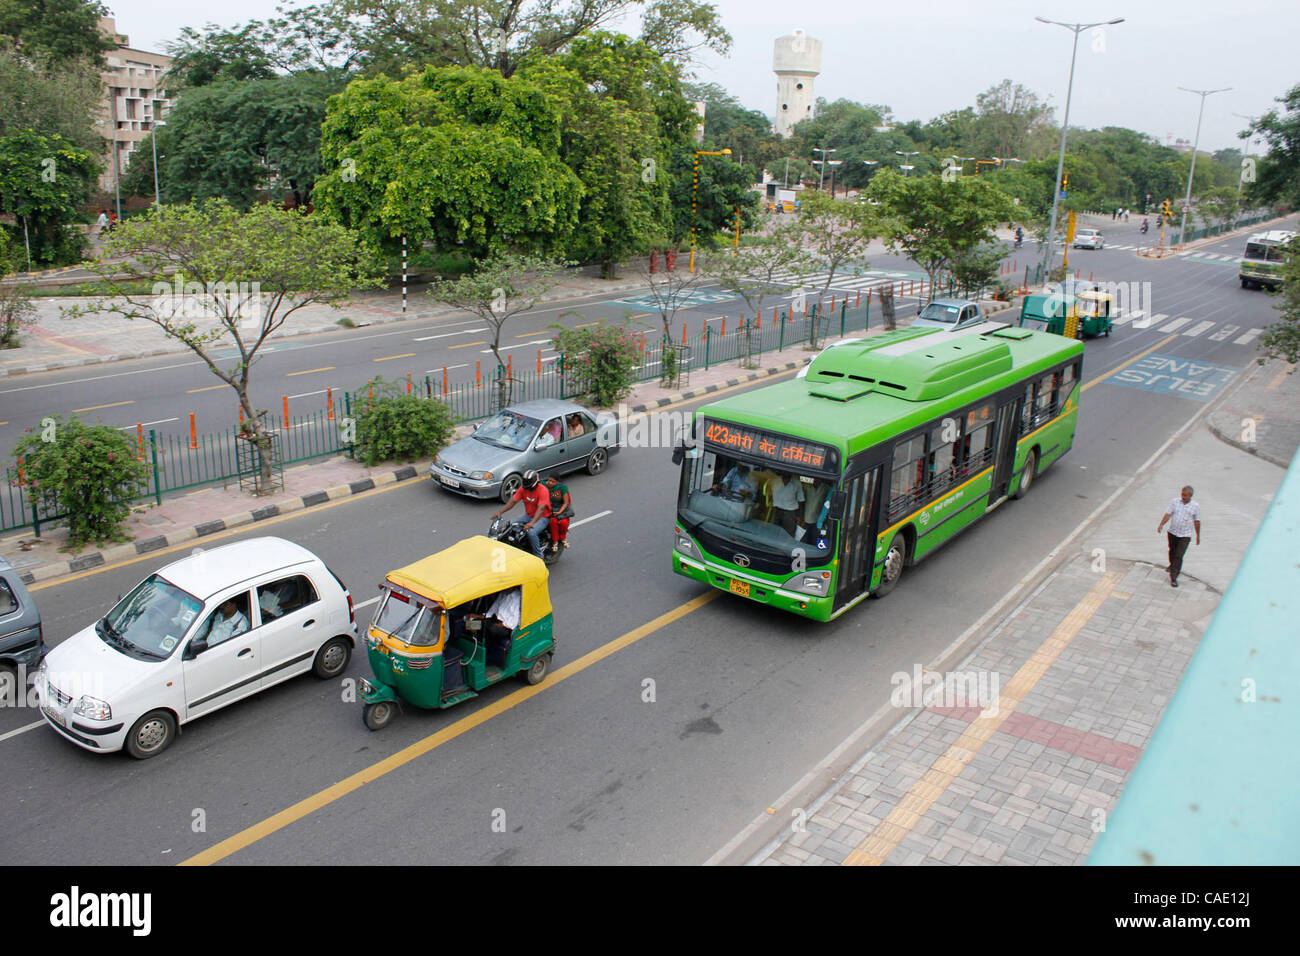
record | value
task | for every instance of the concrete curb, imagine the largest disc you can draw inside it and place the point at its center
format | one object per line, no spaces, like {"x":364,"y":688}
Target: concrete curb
{"x":1227,"y":433}
{"x":374,"y":319}
{"x":120,"y":552}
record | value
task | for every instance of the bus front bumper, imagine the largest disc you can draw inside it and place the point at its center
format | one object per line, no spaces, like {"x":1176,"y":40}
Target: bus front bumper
{"x":759,"y":590}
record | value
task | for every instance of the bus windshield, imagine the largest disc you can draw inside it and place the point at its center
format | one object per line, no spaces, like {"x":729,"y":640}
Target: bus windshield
{"x":756,"y":510}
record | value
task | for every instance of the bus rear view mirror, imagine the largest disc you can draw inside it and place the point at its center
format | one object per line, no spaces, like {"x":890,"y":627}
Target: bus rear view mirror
{"x":679,"y":452}
{"x":837,"y":505}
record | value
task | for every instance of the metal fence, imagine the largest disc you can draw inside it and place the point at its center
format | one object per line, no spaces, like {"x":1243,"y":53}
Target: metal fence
{"x":178,"y":463}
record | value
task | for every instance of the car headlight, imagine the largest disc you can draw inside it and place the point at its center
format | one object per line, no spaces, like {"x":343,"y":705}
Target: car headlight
{"x":93,"y":708}
{"x":481,"y":475}
{"x":686,"y":546}
{"x":815,"y":583}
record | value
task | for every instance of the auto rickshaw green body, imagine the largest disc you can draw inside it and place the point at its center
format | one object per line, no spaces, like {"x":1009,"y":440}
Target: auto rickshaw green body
{"x":442,"y":660}
{"x":1072,"y":315}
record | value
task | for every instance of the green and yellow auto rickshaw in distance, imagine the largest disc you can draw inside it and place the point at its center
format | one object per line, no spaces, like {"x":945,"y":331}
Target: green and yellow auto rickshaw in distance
{"x":432,"y":644}
{"x":1074,"y":314}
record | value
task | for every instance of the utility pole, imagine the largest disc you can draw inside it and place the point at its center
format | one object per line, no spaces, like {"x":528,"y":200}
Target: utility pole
{"x":1182,"y":229}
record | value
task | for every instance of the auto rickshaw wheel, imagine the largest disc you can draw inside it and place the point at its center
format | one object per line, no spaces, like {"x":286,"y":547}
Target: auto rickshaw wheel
{"x":379,"y":715}
{"x":538,"y":671}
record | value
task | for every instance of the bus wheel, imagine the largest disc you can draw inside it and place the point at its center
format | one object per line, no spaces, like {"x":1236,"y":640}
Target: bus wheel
{"x":1027,"y":476}
{"x":895,"y":561}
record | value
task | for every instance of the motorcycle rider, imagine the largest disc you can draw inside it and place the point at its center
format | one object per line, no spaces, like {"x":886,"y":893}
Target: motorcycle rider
{"x":1020,"y":236}
{"x":537,"y":505}
{"x":1146,"y":224}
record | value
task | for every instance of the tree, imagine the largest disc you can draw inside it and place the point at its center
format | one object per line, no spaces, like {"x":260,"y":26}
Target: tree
{"x":669,"y":292}
{"x":503,"y":35}
{"x":765,"y":264}
{"x":502,"y":286}
{"x":1281,"y":340}
{"x":836,"y":232}
{"x":222,"y":278}
{"x":936,"y":222}
{"x":454,"y":155}
{"x":16,"y":308}
{"x":44,"y":180}
{"x":63,"y":99}
{"x":239,"y":140}
{"x":48,"y":32}
{"x":1277,"y":176}
{"x":1006,"y":116}
{"x":723,"y":189}
{"x":215,"y":54}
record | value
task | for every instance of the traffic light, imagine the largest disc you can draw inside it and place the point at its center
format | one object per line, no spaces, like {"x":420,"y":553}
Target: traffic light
{"x":1165,"y":210}
{"x":1065,"y":182}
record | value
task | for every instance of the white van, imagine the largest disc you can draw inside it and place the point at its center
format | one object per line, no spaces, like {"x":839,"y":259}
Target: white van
{"x":201,"y":633}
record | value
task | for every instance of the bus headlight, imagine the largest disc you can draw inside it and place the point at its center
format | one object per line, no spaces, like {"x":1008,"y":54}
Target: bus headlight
{"x":687,"y":547}
{"x":816,"y":583}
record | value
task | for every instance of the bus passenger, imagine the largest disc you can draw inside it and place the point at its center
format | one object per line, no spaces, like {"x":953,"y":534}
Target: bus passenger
{"x":787,"y":493}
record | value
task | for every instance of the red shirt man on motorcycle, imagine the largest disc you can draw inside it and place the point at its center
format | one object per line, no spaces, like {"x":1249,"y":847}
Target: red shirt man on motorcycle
{"x":537,"y":505}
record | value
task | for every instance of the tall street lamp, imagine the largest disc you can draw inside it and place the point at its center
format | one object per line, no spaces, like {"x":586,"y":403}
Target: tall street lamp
{"x":907,"y":169}
{"x":1076,"y":28}
{"x":1182,"y":228}
{"x":695,"y":185}
{"x":153,"y":138}
{"x":825,"y":152}
{"x":832,"y":163}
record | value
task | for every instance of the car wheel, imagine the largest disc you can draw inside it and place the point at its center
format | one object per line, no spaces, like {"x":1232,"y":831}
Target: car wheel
{"x":332,"y":659}
{"x":151,"y":735}
{"x":597,"y":462}
{"x":379,"y":715}
{"x":1027,"y":476}
{"x":508,"y":487}
{"x":538,"y":671}
{"x":9,"y":689}
{"x":895,"y":561}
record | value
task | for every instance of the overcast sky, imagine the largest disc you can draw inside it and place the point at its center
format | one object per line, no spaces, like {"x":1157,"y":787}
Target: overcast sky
{"x":924,"y":57}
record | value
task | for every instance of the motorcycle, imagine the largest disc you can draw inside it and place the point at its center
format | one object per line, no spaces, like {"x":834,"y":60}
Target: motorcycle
{"x":1145,"y":225}
{"x":1020,"y":241}
{"x":513,"y":534}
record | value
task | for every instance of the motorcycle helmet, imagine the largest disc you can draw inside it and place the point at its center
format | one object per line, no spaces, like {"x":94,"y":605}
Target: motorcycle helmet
{"x":530,"y":479}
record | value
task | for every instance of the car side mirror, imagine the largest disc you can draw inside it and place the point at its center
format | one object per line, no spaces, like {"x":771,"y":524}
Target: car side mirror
{"x":195,"y":648}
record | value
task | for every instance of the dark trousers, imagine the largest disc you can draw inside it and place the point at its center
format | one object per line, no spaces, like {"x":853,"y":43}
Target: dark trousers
{"x":1177,"y":548}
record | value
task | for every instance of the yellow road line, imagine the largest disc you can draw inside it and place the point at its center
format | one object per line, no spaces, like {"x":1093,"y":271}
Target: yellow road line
{"x":91,"y":408}
{"x":206,"y":388}
{"x":388,"y":358}
{"x":465,"y":345}
{"x":4,"y":423}
{"x":533,"y":335}
{"x":327,"y":368}
{"x":909,"y":810}
{"x":1121,"y":367}
{"x":356,"y":781}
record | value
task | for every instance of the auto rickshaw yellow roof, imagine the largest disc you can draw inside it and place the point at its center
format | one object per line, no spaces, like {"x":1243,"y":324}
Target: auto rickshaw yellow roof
{"x":475,"y":567}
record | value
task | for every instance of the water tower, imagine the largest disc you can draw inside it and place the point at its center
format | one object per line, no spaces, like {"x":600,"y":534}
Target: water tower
{"x":796,"y":61}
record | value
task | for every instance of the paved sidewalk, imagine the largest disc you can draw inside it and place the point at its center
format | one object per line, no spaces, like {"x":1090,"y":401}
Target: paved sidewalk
{"x":1022,"y":761}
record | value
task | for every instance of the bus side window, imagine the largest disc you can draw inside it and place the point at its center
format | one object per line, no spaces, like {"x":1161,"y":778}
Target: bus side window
{"x":1027,"y":410}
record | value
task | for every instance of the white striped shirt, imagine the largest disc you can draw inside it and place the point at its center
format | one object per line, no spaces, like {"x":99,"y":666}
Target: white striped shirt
{"x":1181,"y":517}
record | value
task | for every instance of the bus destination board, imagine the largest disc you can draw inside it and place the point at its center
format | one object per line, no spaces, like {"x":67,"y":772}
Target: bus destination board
{"x":792,"y":453}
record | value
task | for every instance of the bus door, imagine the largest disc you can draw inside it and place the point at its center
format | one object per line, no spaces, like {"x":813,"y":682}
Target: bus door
{"x":1005,"y":448}
{"x":857,"y":537}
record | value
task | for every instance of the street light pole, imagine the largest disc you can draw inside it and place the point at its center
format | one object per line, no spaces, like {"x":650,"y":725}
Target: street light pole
{"x":1182,"y":228}
{"x":907,"y":169}
{"x":1076,"y":28}
{"x":153,"y":139}
{"x":1250,"y":145}
{"x":821,"y":182}
{"x":695,"y":184}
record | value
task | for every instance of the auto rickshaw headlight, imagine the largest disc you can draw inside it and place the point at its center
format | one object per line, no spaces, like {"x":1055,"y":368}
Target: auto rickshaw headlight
{"x":365,"y":686}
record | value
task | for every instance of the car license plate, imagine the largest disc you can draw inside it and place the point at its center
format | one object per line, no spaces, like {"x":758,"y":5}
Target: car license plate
{"x":54,"y":715}
{"x":449,"y":482}
{"x":740,"y":587}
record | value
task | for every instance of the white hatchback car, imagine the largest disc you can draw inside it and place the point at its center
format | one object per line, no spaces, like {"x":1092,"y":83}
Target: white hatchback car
{"x":1088,"y":239}
{"x":201,"y":633}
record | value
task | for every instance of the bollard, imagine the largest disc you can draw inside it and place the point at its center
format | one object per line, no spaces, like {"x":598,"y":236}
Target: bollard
{"x":22,"y":476}
{"x":478,"y":373}
{"x":329,"y":403}
{"x":858,"y":300}
{"x":683,"y":333}
{"x":444,"y":381}
{"x":832,"y":301}
{"x":139,"y":440}
{"x":510,"y":366}
{"x":286,"y":413}
{"x":409,"y":386}
{"x":724,"y":325}
{"x":539,"y":361}
{"x":194,"y":438}
{"x":241,"y":413}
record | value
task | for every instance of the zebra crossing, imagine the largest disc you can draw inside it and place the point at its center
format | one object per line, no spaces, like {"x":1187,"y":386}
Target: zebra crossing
{"x":1190,"y":327}
{"x":844,"y":280}
{"x":1193,"y":253}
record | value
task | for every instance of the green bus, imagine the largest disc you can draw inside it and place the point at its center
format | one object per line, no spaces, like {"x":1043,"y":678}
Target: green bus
{"x":1265,"y":254}
{"x":809,"y":495}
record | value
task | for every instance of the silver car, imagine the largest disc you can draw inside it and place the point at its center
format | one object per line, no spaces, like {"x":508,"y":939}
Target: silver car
{"x":1088,"y":239}
{"x":950,"y":314}
{"x":549,"y":436}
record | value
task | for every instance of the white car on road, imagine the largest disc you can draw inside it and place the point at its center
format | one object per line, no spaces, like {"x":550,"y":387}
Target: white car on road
{"x":197,"y":635}
{"x":1088,"y":239}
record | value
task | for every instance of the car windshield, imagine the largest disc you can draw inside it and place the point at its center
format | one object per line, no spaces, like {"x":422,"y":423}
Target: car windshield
{"x":414,"y":624}
{"x":508,"y":429}
{"x":940,"y":313}
{"x":756,"y":509}
{"x":152,"y":619}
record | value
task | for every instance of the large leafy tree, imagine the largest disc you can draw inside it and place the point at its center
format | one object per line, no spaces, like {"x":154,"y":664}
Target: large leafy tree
{"x":48,"y":32}
{"x":454,"y":155}
{"x":239,"y":140}
{"x":1277,"y":176}
{"x":622,"y":115}
{"x":44,"y":180}
{"x":837,"y":232}
{"x":935,"y":222}
{"x":1006,"y":116}
{"x":60,"y":99}
{"x":723,"y":193}
{"x":240,"y":275}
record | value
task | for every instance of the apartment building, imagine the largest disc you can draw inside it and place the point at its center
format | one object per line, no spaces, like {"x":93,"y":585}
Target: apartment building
{"x":135,"y":98}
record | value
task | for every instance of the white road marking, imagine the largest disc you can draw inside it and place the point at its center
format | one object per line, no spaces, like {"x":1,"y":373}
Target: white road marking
{"x":1145,"y":322}
{"x":1248,"y":337}
{"x":1176,"y":324}
{"x":1199,"y":328}
{"x":127,"y":428}
{"x":1224,"y":332}
{"x":321,"y":391}
{"x":434,"y":371}
{"x":507,"y":348}
{"x":426,"y":338}
{"x":22,"y":730}
{"x":358,"y":607}
{"x":574,"y":524}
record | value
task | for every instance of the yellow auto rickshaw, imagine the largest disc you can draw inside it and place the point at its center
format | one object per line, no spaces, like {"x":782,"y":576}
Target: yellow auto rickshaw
{"x":453,"y":623}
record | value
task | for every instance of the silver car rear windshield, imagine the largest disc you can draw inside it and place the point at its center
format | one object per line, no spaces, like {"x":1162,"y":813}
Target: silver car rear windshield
{"x":940,"y":313}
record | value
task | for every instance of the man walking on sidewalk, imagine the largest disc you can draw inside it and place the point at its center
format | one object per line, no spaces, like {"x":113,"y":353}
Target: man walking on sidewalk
{"x":1184,"y":516}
